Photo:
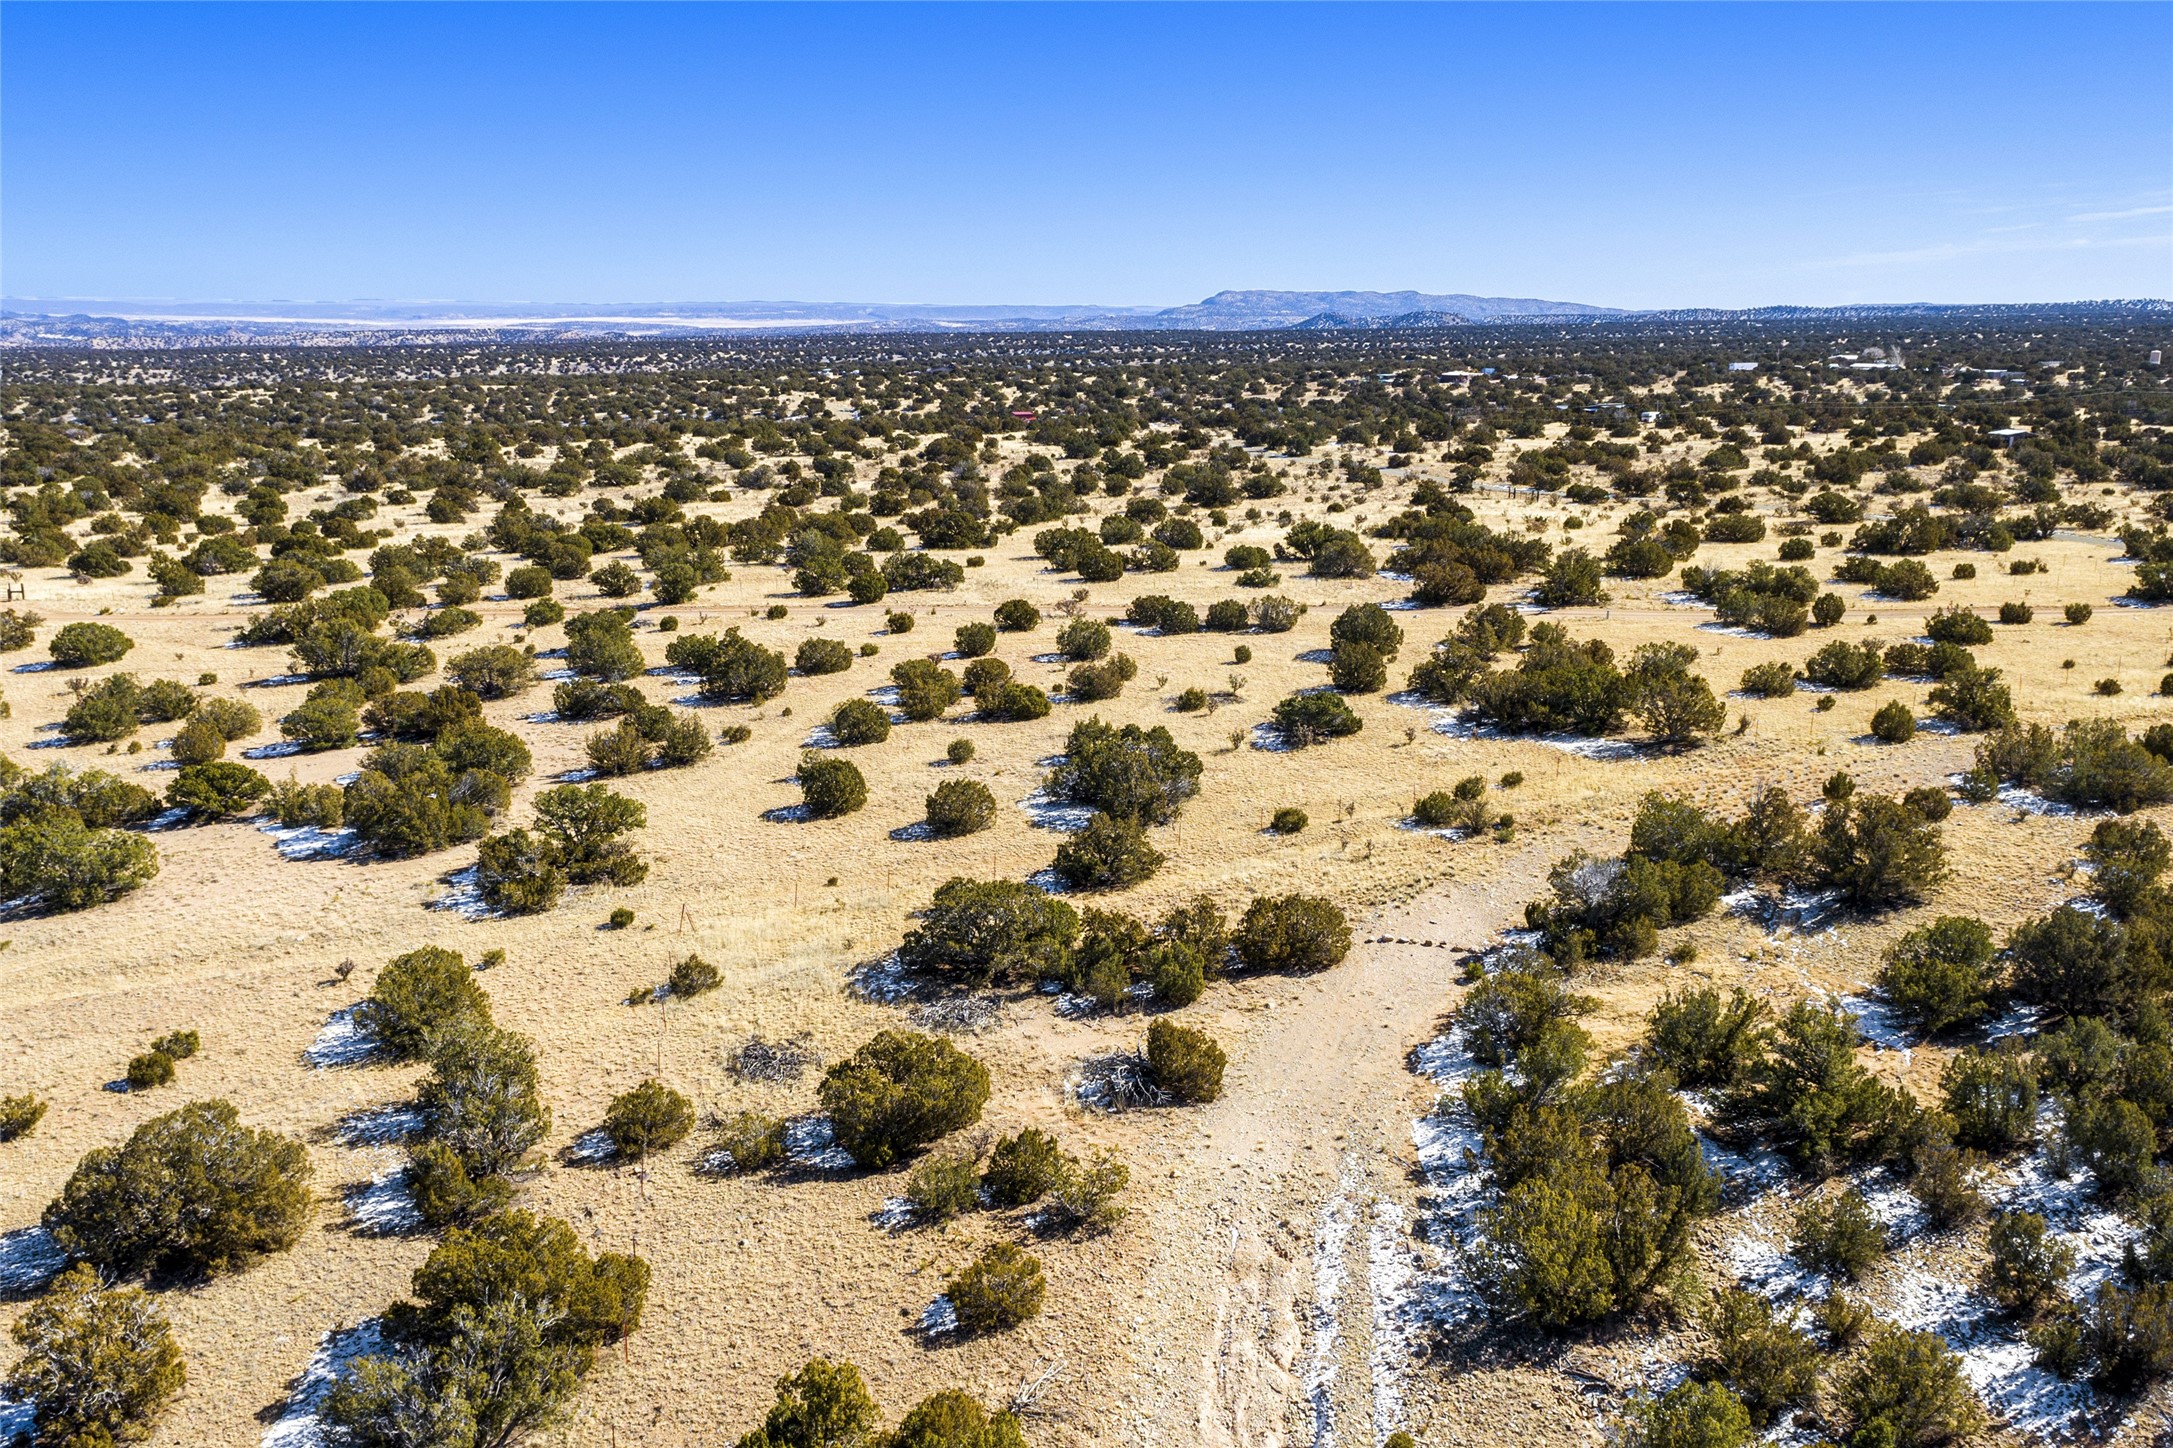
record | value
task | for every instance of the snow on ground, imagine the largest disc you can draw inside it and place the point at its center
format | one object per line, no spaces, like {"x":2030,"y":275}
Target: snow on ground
{"x":1324,"y":1319}
{"x":1877,"y":1022}
{"x":1457,"y":725}
{"x":383,"y":1206}
{"x":881,"y":982}
{"x":1447,"y":1141}
{"x":1391,"y":1282}
{"x":308,"y":842}
{"x":1271,"y":739}
{"x":378,"y":1125}
{"x":298,"y":1425}
{"x":1046,"y":812}
{"x":590,"y":1147}
{"x":342,"y":1042}
{"x":29,"y":1258}
{"x":811,"y":1145}
{"x":939,"y":1317}
{"x":894,"y":1215}
{"x":463,"y":895}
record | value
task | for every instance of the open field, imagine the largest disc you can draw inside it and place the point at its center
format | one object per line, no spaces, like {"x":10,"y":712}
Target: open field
{"x":1280,"y":1274}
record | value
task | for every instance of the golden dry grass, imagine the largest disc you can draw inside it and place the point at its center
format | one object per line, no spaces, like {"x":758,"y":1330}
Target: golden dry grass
{"x":1187,"y":1324}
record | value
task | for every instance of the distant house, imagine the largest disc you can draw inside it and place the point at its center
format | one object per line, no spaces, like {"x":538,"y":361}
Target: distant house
{"x":1023,"y":416}
{"x":2006,"y":436}
{"x":1648,"y":418}
{"x":1742,"y":367}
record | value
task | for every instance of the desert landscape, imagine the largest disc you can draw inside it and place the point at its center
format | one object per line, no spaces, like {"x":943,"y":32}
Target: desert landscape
{"x":1301,"y":993}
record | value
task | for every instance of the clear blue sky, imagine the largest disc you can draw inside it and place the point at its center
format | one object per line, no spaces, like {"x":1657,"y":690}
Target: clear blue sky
{"x":1621,"y":154}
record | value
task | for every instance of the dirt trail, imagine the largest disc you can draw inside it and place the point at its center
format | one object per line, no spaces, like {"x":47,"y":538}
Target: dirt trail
{"x":1259,"y":1331}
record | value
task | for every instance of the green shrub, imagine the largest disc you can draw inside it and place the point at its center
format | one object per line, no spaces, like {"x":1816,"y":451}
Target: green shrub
{"x":482,"y":1102}
{"x":2077,"y":614}
{"x":995,"y":930}
{"x":729,"y":667}
{"x":497,"y":671}
{"x":1843,"y":665}
{"x":1368,"y":624}
{"x":692,"y":977}
{"x":1085,"y":1197}
{"x":859,"y":721}
{"x":2128,"y":1335}
{"x":1288,"y":820}
{"x":17,"y":628}
{"x":327,"y":718}
{"x":1184,"y":1062}
{"x":421,"y":1001}
{"x":198,"y":742}
{"x":1992,"y":1096}
{"x":1937,"y":977}
{"x":1109,"y":854}
{"x":651,"y":1117}
{"x":1024,"y":1168}
{"x":1126,"y":772}
{"x":1774,"y":680}
{"x":85,"y":645}
{"x":1893,"y":723}
{"x":899,"y":1093}
{"x":1809,"y":1092}
{"x":1957,"y":625}
{"x":1907,"y":1388}
{"x":1105,"y":679}
{"x":1878,"y":853}
{"x":943,"y":1187}
{"x":152,"y":1068}
{"x":752,"y":1141}
{"x":1689,"y":1415}
{"x":972,"y":640}
{"x":99,"y":1363}
{"x":621,"y":918}
{"x":1766,"y":1360}
{"x":960,"y":807}
{"x":925,"y":689}
{"x":824,"y":1405}
{"x":822,"y":656}
{"x":2028,"y":1267}
{"x":1178,"y":972}
{"x":191,"y":1192}
{"x":20,"y":1115}
{"x":1308,"y":719}
{"x":1705,"y":1040}
{"x":471,"y":1361}
{"x":218,"y":790}
{"x":1837,"y":1235}
{"x":1083,"y":640}
{"x":2073,"y":963}
{"x":831,"y":787}
{"x":1355,"y":668}
{"x":1298,"y":934}
{"x":56,"y":859}
{"x":2127,"y":857}
{"x":998,"y":1290}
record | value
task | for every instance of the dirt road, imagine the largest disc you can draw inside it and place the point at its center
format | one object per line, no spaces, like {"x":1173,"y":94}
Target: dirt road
{"x":1261,"y":1329}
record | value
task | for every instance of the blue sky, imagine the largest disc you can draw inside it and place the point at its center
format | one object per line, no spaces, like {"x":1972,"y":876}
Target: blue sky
{"x":1621,"y":154}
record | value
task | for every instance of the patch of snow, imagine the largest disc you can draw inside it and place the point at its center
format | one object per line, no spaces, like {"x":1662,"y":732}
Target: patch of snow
{"x":590,"y":1147}
{"x":298,"y":1425}
{"x":1997,"y":1362}
{"x":822,"y":736}
{"x":1790,"y":909}
{"x":276,"y":681}
{"x":378,"y":1125}
{"x":1391,"y":1277}
{"x":384,"y":1206}
{"x":1447,"y":1143}
{"x":914,"y":833}
{"x":939,"y":1317}
{"x":575,"y":776}
{"x":41,"y":666}
{"x":1455,"y":724}
{"x":308,"y":842}
{"x":811,"y":1145}
{"x":883,"y":982}
{"x":1877,"y":1023}
{"x":463,"y":895}
{"x":283,"y":749}
{"x":29,"y":1258}
{"x":1272,"y":739}
{"x":1331,"y":1239}
{"x":342,"y":1042}
{"x":894,"y":1215}
{"x":1048,"y":882}
{"x":1046,"y":812}
{"x":788,"y":814}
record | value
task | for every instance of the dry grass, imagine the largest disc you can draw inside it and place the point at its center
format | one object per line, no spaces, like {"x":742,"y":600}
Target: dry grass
{"x":1182,"y":1326}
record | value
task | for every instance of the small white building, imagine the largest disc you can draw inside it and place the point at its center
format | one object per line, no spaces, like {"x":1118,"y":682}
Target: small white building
{"x":1742,"y":367}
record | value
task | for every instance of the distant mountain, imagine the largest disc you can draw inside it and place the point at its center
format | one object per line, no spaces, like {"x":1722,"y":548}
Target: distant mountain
{"x":74,"y":322}
{"x":1260,"y":311}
